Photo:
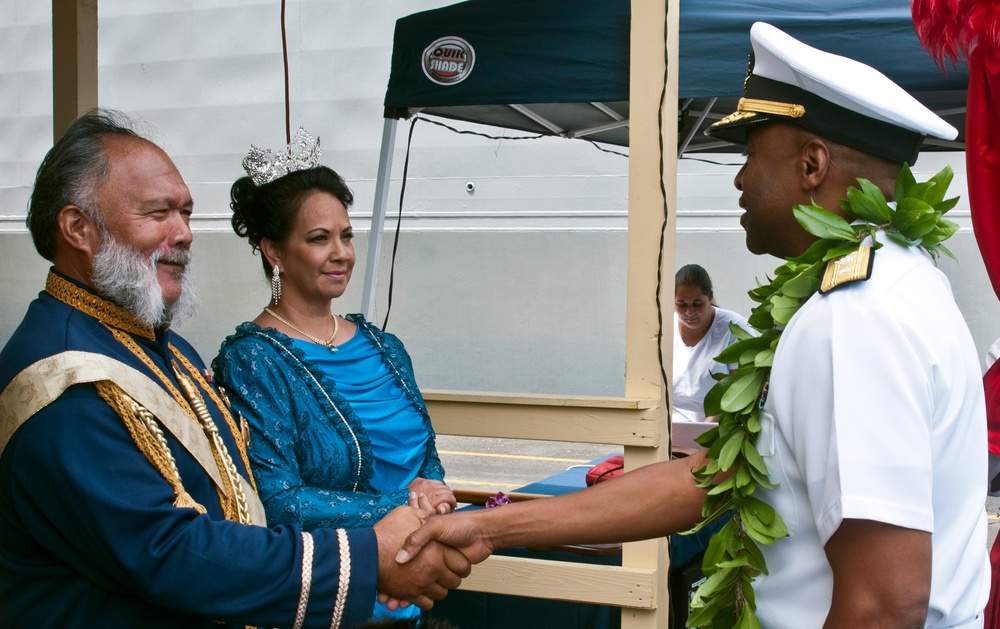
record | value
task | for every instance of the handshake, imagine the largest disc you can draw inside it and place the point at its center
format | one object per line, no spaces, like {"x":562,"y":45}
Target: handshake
{"x":422,"y":555}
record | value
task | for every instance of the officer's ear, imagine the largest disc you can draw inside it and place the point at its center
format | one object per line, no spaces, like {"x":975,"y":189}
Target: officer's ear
{"x":78,"y":230}
{"x":814,"y":161}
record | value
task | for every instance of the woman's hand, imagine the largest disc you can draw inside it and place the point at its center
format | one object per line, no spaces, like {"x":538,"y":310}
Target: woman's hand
{"x":440,"y":496}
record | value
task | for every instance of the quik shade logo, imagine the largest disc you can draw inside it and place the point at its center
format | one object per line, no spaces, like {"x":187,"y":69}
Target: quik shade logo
{"x":448,"y":60}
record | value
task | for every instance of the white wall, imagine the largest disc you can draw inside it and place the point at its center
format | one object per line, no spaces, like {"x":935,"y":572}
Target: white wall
{"x":518,"y":286}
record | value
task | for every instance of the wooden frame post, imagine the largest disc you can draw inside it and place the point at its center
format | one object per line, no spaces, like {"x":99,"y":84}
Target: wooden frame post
{"x":74,"y":61}
{"x":652,"y":187}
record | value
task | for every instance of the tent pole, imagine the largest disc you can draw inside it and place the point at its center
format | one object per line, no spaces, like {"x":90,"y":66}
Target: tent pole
{"x":696,"y":126}
{"x":378,"y":217}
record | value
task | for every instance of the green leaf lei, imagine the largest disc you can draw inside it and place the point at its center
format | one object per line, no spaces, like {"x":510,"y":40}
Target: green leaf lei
{"x":725,"y":599}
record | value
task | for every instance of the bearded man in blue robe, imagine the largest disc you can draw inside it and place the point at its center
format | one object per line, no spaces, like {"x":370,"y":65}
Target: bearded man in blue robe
{"x":125,"y":496}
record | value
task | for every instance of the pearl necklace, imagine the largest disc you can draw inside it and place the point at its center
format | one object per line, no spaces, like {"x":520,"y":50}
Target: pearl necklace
{"x":328,"y":343}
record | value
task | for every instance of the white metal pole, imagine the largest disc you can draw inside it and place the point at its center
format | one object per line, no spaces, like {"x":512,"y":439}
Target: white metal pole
{"x":378,"y":217}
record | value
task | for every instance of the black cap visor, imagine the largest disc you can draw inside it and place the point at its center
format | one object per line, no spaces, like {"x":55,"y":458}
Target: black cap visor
{"x":822,"y":117}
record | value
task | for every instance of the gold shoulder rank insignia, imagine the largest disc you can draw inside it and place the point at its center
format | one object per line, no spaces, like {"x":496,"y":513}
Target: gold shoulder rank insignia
{"x":846,"y":269}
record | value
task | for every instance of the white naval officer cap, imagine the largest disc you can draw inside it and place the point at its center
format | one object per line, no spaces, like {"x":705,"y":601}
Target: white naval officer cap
{"x":833,"y":96}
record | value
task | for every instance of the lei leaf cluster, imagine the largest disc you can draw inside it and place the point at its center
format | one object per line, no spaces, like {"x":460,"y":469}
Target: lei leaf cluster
{"x":725,"y":599}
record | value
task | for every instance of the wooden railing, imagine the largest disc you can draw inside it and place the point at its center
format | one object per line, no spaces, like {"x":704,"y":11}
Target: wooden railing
{"x":631,"y":422}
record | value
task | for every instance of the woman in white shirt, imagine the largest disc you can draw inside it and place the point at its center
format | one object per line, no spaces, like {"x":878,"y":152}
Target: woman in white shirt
{"x":702,"y":332}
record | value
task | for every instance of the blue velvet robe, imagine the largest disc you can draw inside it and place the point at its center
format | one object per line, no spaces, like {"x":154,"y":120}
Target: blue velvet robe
{"x":89,"y":536}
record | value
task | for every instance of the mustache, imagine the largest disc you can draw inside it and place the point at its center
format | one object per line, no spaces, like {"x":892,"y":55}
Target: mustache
{"x":181,"y":257}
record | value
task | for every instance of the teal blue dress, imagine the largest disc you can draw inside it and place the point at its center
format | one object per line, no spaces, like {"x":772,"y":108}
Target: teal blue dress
{"x":334,"y":437}
{"x":395,"y":427}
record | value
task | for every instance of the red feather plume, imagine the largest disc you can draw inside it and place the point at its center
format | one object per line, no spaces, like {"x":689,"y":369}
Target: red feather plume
{"x":950,"y":29}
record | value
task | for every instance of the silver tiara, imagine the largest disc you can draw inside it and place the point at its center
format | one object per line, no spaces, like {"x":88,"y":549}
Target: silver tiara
{"x":266,"y":166}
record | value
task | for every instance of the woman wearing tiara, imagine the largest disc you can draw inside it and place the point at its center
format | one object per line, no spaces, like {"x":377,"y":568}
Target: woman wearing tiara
{"x":339,"y":433}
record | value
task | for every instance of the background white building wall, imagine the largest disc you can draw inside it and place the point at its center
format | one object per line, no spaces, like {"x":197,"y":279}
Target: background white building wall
{"x":516,"y":286}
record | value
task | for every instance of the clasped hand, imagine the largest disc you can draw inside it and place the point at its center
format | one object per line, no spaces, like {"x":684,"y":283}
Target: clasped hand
{"x":422,"y":556}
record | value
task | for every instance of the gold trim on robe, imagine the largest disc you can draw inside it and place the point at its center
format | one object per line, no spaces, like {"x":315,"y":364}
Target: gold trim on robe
{"x":41,"y":383}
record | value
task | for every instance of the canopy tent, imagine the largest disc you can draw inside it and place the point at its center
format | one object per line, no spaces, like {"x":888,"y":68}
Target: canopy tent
{"x":561,"y":67}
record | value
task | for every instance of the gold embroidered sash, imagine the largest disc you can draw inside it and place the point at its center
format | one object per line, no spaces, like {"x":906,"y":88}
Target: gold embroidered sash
{"x":41,"y":383}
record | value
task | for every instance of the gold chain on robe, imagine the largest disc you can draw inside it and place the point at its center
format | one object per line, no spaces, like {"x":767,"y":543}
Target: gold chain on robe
{"x":137,"y":419}
{"x":149,"y":438}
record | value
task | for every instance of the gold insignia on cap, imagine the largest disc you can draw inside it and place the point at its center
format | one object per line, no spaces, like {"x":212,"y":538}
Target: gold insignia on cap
{"x":751,"y":107}
{"x":853,"y":267}
{"x":736,"y":116}
{"x":790,"y":110}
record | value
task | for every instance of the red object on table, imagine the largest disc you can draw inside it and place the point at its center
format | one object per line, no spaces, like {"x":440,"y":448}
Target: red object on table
{"x":605,"y":470}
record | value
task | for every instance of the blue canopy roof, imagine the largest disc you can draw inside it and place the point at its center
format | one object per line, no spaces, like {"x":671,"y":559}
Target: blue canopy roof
{"x":561,"y":67}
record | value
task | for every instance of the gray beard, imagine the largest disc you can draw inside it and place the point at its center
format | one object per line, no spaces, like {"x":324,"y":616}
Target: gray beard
{"x":129,"y":279}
